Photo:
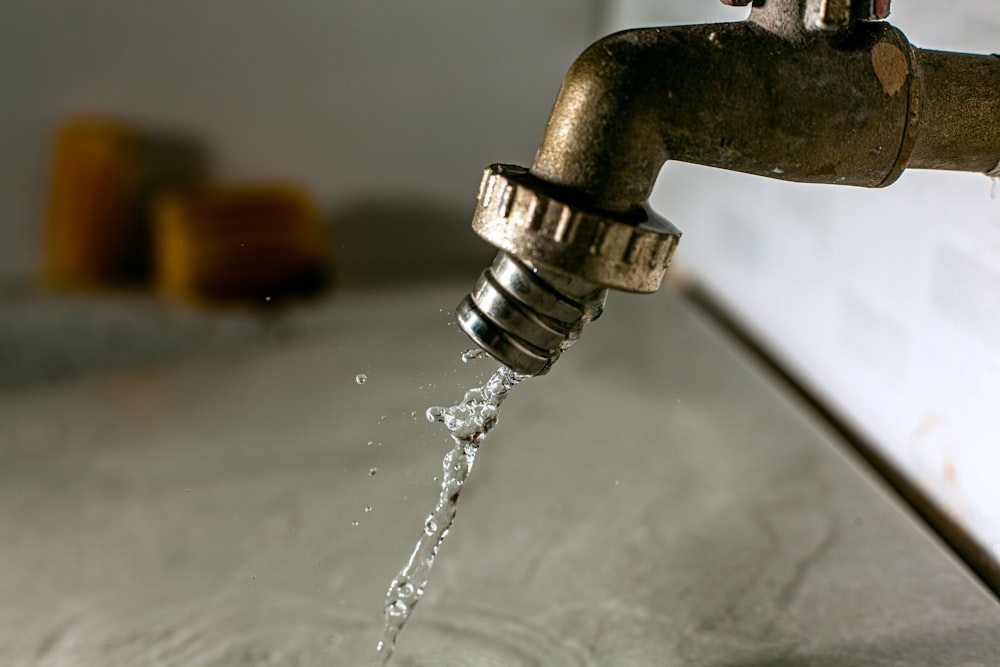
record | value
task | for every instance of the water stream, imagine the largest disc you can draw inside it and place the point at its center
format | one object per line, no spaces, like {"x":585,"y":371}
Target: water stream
{"x":468,"y":423}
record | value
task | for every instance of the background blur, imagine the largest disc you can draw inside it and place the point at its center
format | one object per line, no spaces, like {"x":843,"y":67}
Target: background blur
{"x":384,"y":113}
{"x":883,"y":302}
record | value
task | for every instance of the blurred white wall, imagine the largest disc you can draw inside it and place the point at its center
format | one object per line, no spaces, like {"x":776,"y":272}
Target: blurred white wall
{"x":391,"y":99}
{"x":885,"y":302}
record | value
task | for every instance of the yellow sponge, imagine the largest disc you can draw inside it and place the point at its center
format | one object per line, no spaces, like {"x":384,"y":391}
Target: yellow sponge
{"x":90,"y":203}
{"x":239,"y":244}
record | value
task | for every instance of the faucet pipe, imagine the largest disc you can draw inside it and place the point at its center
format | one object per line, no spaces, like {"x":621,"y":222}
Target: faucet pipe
{"x":853,"y":109}
{"x":773,"y":96}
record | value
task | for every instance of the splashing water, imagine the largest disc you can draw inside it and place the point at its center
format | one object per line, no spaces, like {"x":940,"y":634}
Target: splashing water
{"x":468,"y":423}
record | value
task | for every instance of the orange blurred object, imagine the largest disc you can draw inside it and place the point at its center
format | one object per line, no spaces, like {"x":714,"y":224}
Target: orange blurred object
{"x":249,"y":244}
{"x":89,"y":208}
{"x":104,"y":176}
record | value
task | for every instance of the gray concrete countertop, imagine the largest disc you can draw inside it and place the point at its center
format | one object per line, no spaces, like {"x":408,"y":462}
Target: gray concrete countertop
{"x":654,"y":500}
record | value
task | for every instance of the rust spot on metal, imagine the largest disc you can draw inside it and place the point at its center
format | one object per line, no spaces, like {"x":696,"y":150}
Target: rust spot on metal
{"x":890,"y":67}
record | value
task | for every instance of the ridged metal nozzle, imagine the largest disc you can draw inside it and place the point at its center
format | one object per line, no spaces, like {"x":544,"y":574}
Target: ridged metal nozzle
{"x":525,"y":316}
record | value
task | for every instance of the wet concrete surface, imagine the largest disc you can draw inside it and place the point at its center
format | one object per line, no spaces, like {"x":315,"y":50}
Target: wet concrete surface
{"x":655,"y":500}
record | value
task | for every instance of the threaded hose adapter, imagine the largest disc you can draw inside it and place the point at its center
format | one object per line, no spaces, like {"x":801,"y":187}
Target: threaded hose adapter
{"x":556,"y":260}
{"x":524,"y":316}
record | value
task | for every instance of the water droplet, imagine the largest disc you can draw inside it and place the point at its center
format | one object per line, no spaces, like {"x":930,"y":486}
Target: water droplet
{"x":469,"y":355}
{"x":396,"y":608}
{"x":267,"y":298}
{"x":372,"y":471}
{"x":368,"y":508}
{"x":361,"y":378}
{"x":371,"y":442}
{"x":406,"y":590}
{"x":430,"y":526}
{"x":355,"y":523}
{"x":435,"y":413}
{"x":253,"y":576}
{"x":188,"y":490}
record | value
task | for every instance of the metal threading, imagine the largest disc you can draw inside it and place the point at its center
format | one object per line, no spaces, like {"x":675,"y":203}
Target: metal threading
{"x":524,"y":316}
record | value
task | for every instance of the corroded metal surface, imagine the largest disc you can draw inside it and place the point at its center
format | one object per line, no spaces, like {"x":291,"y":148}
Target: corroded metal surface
{"x":804,"y":90}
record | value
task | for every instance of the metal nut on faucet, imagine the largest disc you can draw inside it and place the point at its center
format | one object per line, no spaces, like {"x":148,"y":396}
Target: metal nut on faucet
{"x":532,"y":220}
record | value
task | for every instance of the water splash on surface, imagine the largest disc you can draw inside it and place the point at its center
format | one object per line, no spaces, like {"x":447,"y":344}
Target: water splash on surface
{"x":469,"y":423}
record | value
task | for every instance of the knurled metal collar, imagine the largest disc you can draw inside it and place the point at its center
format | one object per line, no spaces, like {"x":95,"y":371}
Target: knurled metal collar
{"x":531,"y":219}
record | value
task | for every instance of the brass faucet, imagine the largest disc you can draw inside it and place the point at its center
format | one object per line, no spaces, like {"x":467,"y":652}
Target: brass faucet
{"x":813,"y":91}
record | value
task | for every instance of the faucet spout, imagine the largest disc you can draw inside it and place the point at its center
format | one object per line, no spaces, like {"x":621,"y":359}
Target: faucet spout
{"x":735,"y":96}
{"x":791,"y":93}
